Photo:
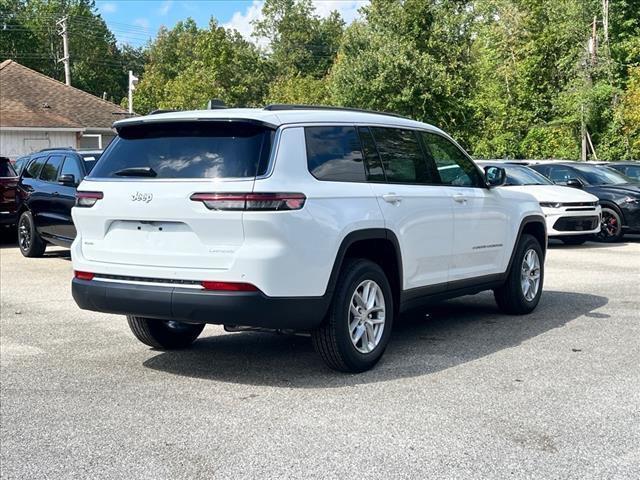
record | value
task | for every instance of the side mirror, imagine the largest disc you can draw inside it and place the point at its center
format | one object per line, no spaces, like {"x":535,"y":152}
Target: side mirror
{"x":67,"y":179}
{"x":574,"y":182}
{"x":495,"y":176}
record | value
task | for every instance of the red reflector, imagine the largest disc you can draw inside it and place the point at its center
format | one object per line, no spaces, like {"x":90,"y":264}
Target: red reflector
{"x":84,"y":275}
{"x":229,"y":286}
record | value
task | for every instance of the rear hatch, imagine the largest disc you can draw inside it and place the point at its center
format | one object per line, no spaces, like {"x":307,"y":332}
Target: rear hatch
{"x":147,"y":179}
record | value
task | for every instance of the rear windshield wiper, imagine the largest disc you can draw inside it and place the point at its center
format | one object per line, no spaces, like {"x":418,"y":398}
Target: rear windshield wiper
{"x":137,"y":172}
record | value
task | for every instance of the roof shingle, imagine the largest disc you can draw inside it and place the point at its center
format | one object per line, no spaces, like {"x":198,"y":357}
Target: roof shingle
{"x":31,"y":99}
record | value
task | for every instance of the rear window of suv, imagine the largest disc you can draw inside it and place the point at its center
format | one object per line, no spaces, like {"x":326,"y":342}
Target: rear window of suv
{"x":187,"y":150}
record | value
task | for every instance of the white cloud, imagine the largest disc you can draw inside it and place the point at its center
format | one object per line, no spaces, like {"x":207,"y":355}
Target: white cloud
{"x":108,"y":7}
{"x":142,"y":22}
{"x":165,"y":7}
{"x":241,"y":21}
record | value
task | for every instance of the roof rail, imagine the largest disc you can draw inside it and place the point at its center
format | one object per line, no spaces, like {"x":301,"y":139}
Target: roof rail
{"x":160,"y":110}
{"x":56,"y":148}
{"x":283,"y":106}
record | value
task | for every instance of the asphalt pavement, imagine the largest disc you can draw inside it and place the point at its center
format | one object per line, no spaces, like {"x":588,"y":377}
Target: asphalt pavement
{"x":462,"y":391}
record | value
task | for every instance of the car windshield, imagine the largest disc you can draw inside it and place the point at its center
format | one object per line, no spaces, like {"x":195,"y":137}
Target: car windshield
{"x":600,"y":176}
{"x":520,"y":175}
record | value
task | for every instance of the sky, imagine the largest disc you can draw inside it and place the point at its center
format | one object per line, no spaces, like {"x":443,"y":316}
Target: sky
{"x":137,"y":21}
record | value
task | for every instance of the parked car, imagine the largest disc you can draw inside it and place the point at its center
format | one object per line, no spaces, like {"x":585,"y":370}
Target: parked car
{"x":620,"y":199}
{"x":47,"y":191}
{"x":8,"y":186}
{"x":629,"y":169}
{"x":572,"y":215}
{"x":328,"y":221}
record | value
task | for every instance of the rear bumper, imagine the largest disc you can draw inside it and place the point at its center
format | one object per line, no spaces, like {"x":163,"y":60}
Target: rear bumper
{"x":200,"y":306}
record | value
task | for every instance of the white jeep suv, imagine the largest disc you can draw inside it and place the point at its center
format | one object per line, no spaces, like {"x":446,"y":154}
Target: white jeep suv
{"x":320,"y":220}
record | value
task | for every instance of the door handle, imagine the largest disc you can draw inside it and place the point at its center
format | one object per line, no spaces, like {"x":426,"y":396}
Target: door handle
{"x":392,"y":198}
{"x":460,"y":198}
{"x":56,"y":194}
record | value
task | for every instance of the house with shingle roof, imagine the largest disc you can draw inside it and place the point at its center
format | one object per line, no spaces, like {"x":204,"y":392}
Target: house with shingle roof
{"x":39,"y":112}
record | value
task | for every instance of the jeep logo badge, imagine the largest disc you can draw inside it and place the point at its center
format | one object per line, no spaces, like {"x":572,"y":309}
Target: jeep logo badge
{"x":141,"y":197}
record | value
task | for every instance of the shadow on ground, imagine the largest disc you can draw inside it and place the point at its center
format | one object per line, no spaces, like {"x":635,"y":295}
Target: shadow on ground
{"x":423,"y":342}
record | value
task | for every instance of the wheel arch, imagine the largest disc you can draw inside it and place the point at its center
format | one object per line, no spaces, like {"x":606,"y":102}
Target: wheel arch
{"x":533,"y":225}
{"x":379,"y":245}
{"x":613,"y":206}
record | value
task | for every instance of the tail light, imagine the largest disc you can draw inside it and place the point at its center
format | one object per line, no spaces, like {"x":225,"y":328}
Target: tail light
{"x":83,"y":275}
{"x":229,"y":286}
{"x":88,"y":199}
{"x":251,"y":201}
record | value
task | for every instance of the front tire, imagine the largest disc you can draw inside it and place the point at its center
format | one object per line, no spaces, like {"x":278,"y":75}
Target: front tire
{"x":29,"y":241}
{"x":521,"y":292}
{"x":610,"y":226}
{"x":164,"y":334}
{"x":358,"y":326}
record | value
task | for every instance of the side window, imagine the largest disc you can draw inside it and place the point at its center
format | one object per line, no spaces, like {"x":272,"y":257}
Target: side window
{"x":453,"y":166}
{"x":33,"y":169}
{"x":561,"y":174}
{"x":49,"y":172}
{"x":334,"y":154}
{"x":372,"y":162}
{"x":402,"y":157}
{"x":71,"y":167}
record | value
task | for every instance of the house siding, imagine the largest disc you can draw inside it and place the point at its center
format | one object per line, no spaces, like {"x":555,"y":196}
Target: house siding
{"x":16,"y":143}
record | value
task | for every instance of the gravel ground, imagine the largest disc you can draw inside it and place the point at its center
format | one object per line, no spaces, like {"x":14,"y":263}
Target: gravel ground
{"x":462,"y":391}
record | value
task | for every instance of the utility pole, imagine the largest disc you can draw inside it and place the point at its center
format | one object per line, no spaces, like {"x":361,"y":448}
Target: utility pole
{"x":64,"y":32}
{"x":133,"y":81}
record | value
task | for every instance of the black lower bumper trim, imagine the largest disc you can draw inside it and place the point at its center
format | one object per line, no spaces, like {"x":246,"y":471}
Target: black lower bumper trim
{"x":252,"y":309}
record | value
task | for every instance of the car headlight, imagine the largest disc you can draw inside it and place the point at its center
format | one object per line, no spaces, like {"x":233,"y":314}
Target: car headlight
{"x":551,"y":204}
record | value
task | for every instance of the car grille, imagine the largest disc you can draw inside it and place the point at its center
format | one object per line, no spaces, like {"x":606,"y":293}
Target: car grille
{"x":580,"y":206}
{"x":576,"y":224}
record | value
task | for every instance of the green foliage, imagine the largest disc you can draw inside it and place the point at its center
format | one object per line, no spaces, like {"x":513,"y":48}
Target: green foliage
{"x":189,"y":66}
{"x":411,"y":58}
{"x":508,"y":78}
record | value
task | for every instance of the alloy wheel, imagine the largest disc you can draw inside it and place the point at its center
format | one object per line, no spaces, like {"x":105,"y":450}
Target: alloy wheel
{"x":530,"y":275}
{"x":366,"y":316}
{"x":24,"y":233}
{"x":609,"y":225}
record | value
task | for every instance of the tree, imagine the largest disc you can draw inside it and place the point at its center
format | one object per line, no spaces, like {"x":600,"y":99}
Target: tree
{"x":188,"y":66}
{"x":411,"y":58}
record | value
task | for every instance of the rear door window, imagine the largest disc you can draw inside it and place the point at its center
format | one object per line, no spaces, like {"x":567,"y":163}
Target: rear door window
{"x":402,"y":157}
{"x":49,"y":172}
{"x":33,"y":169}
{"x":187,"y":150}
{"x":334,"y":154}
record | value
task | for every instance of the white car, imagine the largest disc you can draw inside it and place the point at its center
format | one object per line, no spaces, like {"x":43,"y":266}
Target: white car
{"x":572,"y":215}
{"x":328,"y":221}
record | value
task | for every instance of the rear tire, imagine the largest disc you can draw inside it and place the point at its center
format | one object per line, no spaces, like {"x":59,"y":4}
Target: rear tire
{"x":164,"y":334}
{"x":29,"y":241}
{"x":358,"y":326}
{"x":574,"y":240}
{"x":610,"y":227}
{"x":521,"y":292}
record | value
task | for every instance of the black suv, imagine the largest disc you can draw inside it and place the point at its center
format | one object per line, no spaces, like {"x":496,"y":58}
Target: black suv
{"x":47,"y":192}
{"x":619,"y":195}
